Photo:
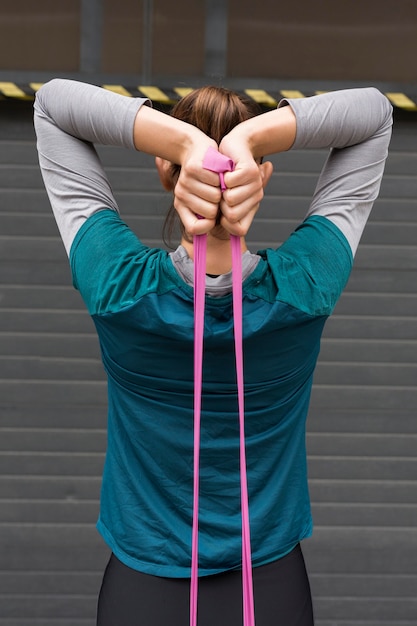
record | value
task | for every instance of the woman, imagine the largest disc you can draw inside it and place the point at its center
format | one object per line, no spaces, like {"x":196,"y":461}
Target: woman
{"x":141,"y":301}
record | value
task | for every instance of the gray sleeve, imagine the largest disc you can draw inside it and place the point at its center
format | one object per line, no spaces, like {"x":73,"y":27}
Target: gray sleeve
{"x":356,"y":125}
{"x":70,"y":117}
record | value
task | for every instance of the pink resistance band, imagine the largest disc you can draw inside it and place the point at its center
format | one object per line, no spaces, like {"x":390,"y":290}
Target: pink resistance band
{"x":219,"y":163}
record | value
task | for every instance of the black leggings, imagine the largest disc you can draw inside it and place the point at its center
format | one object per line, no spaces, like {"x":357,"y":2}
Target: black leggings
{"x":281,"y":590}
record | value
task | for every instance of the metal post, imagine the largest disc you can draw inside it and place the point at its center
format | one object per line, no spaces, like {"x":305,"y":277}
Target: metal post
{"x":147,"y":32}
{"x":91,"y":45}
{"x":216,"y":38}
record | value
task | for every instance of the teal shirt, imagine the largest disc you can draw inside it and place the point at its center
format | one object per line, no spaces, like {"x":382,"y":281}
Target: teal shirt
{"x":143,"y":313}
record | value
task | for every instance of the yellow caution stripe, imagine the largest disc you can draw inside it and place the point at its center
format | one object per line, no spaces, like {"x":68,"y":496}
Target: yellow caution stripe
{"x":401,"y":101}
{"x":168,"y":96}
{"x":11,"y":90}
{"x":261,"y":97}
{"x":117,"y":89}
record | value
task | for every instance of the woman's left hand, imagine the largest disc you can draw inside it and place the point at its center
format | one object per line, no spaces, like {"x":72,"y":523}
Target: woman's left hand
{"x":245,"y":187}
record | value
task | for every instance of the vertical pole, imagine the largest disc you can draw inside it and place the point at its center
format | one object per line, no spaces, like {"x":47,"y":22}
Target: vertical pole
{"x":91,"y":45}
{"x":216,"y":38}
{"x":147,"y":33}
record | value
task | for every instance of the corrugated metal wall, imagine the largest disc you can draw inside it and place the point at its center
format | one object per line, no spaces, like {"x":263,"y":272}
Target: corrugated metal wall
{"x":362,"y":436}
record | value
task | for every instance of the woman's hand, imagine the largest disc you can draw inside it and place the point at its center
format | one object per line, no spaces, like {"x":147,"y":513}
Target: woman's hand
{"x":197,"y":195}
{"x":245,"y":185}
{"x":246,"y":144}
{"x":197,"y":192}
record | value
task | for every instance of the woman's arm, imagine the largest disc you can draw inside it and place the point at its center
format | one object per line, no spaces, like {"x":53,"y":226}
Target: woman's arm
{"x":356,"y":123}
{"x":70,"y":117}
{"x":357,"y":128}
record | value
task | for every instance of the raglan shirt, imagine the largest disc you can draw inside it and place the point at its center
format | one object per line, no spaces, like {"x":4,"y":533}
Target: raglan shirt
{"x":141,"y":301}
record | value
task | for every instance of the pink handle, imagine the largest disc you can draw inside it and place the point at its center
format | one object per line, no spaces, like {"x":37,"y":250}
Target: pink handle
{"x":219,"y":163}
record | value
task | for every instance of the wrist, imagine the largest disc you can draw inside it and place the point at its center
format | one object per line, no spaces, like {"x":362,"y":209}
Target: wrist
{"x":268,"y":133}
{"x":161,"y":135}
{"x":192,"y":142}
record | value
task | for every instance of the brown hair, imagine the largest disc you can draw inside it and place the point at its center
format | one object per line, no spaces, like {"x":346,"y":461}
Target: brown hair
{"x":215,"y":111}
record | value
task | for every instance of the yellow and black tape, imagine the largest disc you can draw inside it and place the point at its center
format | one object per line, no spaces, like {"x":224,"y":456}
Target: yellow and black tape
{"x":168,"y":96}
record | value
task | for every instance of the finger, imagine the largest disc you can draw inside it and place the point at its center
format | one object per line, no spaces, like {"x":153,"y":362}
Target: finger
{"x":193,"y":223}
{"x":183,"y":199}
{"x":192,"y":172}
{"x":197,"y":190}
{"x":236,"y":204}
{"x":196,"y":214}
{"x":244,"y":174}
{"x":241,"y":199}
{"x":240,"y":228}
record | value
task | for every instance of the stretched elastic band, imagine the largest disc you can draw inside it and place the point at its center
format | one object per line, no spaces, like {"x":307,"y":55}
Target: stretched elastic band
{"x":200,"y":246}
{"x":217,"y":162}
{"x":248,"y":602}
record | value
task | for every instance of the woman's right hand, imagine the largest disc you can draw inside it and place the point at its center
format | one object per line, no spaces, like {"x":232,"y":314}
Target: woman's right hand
{"x":245,"y":185}
{"x":247,"y":143}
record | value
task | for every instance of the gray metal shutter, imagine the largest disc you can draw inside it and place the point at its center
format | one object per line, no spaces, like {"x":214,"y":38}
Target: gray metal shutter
{"x":362,"y":430}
